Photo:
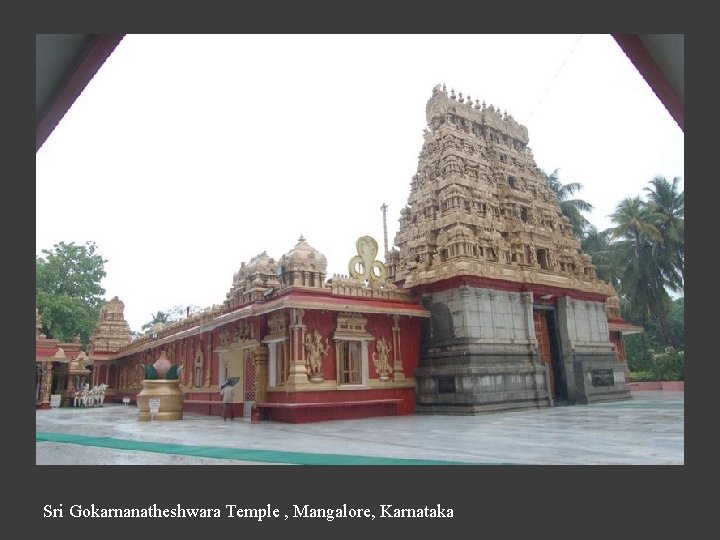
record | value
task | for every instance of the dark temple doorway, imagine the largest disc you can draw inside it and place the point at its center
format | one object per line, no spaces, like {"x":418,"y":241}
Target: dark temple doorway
{"x":549,"y":351}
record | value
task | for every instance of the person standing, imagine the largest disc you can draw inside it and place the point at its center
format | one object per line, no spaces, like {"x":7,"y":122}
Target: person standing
{"x":226,"y":391}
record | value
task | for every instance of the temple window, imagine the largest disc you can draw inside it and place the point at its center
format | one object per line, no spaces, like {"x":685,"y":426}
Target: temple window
{"x":278,"y":362}
{"x":351,"y":349}
{"x":278,"y":343}
{"x":349,"y":362}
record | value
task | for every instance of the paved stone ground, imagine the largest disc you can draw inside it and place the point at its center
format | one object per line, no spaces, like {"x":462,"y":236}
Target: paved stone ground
{"x":645,"y":430}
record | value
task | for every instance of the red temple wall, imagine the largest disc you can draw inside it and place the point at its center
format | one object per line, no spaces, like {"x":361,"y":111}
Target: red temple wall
{"x":379,"y":326}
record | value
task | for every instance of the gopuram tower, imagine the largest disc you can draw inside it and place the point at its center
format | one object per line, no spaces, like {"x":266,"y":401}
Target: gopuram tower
{"x":518,"y":314}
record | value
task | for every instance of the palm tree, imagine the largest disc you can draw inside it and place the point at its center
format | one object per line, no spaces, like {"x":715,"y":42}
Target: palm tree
{"x":604,"y":254}
{"x":642,"y":282}
{"x":571,"y":208}
{"x":159,"y":317}
{"x":668,"y":206}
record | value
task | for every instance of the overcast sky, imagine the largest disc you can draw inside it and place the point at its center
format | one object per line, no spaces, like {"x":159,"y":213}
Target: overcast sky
{"x":187,"y":155}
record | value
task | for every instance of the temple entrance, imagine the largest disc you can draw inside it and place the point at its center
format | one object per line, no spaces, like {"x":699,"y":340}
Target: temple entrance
{"x":237,"y":360}
{"x":549,"y":351}
{"x":232,"y":365}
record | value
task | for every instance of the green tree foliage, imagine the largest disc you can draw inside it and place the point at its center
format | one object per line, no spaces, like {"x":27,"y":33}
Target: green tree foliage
{"x":571,"y":208}
{"x":68,"y":293}
{"x":599,"y":246}
{"x":667,"y":205}
{"x":170,"y":315}
{"x":643,"y":257}
{"x":639,"y":349}
{"x":676,"y":319}
{"x":635,"y":236}
{"x":160,"y":317}
{"x":650,"y":249}
{"x":647,"y":354}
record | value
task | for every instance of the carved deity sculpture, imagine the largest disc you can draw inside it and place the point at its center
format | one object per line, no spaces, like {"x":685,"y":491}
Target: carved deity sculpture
{"x":315,"y":350}
{"x":47,"y":381}
{"x":381,"y":358}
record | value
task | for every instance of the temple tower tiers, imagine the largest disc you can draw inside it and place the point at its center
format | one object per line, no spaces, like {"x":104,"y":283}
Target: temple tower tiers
{"x":112,"y":331}
{"x":518,"y":312}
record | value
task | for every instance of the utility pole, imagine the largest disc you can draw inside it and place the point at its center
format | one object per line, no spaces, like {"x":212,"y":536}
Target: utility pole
{"x":384,"y":211}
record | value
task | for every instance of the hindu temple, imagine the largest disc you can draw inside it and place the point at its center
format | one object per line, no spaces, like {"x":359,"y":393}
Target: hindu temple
{"x":485,"y":302}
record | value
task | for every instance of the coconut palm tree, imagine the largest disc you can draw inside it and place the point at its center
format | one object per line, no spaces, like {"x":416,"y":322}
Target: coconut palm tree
{"x":641,"y":282}
{"x":571,"y":208}
{"x":604,"y":254}
{"x":668,"y":205}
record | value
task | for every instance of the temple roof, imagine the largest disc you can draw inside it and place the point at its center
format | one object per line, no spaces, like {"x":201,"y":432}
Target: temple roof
{"x":304,"y":257}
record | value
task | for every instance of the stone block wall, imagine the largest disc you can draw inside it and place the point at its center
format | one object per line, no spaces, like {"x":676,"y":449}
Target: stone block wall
{"x":593,"y":370}
{"x":479,"y":353}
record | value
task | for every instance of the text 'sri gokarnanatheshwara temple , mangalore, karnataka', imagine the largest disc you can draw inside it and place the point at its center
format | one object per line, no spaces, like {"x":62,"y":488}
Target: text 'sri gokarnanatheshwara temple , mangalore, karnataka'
{"x":485,"y":303}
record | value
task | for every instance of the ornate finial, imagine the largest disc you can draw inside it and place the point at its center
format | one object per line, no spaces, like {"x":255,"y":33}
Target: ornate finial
{"x":301,"y":239}
{"x":363,"y":266}
{"x":444,"y":88}
{"x":477,"y":104}
{"x":452,"y":93}
{"x":483,"y":105}
{"x":461,"y":99}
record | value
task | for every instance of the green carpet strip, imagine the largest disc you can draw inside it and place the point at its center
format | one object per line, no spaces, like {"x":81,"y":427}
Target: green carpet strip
{"x":242,"y":454}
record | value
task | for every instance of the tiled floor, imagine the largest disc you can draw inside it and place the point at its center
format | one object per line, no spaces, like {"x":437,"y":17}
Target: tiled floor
{"x":648,"y":429}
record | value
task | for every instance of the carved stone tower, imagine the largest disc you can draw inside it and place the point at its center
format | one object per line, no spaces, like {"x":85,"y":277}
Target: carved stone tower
{"x":518,"y":316}
{"x":112,"y":331}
